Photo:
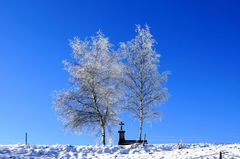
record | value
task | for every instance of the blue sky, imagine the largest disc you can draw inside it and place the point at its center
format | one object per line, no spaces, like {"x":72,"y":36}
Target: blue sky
{"x":198,"y":40}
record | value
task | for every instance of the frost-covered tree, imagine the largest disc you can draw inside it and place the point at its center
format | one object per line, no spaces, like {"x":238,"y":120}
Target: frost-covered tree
{"x":143,"y":80}
{"x":91,"y":104}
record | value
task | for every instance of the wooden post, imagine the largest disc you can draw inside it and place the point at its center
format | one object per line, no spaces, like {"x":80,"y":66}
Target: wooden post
{"x":26,"y":142}
{"x":221,"y":155}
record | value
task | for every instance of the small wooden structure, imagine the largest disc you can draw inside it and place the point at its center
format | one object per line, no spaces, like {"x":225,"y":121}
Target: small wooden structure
{"x":123,"y":141}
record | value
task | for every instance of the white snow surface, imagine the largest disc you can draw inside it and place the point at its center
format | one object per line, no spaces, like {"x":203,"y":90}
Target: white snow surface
{"x":156,"y":151}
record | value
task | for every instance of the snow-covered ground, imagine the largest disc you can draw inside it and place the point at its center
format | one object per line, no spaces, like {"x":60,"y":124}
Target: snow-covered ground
{"x":158,"y":151}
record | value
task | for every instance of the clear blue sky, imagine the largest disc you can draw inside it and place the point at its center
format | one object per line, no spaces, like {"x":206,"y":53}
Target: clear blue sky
{"x":199,"y":42}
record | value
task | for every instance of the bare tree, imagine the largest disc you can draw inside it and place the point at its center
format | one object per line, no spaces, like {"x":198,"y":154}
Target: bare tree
{"x":142,"y":78}
{"x":91,"y":104}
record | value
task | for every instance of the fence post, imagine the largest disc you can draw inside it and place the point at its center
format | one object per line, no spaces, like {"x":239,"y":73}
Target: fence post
{"x":26,"y":142}
{"x":221,"y":155}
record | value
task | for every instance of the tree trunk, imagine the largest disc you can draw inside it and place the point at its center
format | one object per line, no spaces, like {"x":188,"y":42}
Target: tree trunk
{"x":103,"y":135}
{"x":141,"y":124}
{"x":141,"y":108}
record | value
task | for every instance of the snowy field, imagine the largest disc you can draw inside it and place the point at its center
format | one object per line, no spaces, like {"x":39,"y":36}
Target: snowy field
{"x":159,"y":151}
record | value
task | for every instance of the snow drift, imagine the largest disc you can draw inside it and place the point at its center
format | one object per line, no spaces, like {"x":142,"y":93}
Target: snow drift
{"x":160,"y":151}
